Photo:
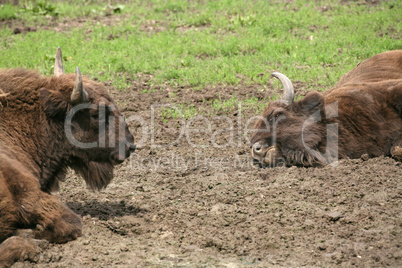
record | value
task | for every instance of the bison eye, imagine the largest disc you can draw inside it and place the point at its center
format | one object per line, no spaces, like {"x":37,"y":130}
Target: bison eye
{"x":96,"y":116}
{"x":100,"y":115}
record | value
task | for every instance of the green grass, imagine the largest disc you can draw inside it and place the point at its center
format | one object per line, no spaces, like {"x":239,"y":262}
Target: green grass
{"x":177,"y":111}
{"x":199,"y":43}
{"x":213,"y":107}
{"x":235,"y":104}
{"x":8,"y":12}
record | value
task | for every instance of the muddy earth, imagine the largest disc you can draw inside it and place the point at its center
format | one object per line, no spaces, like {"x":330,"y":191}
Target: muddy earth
{"x":190,"y":196}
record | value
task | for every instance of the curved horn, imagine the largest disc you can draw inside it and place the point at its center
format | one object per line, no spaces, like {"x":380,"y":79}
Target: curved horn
{"x":58,"y":63}
{"x":288,"y":89}
{"x":79,"y":95}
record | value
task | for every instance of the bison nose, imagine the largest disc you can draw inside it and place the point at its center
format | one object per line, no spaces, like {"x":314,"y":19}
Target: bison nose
{"x":257,"y":147}
{"x":258,"y":150}
{"x":132,"y":148}
{"x":129,"y":138}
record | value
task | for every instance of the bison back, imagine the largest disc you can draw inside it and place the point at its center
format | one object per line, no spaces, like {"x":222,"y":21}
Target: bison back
{"x":381,"y":67}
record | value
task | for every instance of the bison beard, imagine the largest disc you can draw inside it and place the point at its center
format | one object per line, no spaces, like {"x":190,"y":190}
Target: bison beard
{"x":360,"y":115}
{"x":97,"y":175}
{"x":35,"y":154}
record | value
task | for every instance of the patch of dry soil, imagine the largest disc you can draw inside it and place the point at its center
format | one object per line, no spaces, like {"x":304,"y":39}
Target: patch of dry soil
{"x":206,"y":205}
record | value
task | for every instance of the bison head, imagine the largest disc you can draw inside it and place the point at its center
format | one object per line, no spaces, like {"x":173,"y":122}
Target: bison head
{"x":289,"y":132}
{"x":95,"y":136}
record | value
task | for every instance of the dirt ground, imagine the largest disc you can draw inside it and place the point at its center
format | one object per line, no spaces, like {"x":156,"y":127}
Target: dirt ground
{"x":198,"y":201}
{"x":189,"y":198}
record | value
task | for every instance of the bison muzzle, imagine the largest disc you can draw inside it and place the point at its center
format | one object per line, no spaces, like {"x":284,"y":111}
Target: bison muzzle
{"x":360,"y":115}
{"x":47,"y":125}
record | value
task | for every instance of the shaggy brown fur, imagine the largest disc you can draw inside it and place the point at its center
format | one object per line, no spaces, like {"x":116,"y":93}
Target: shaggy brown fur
{"x":35,"y":152}
{"x":361,"y":114}
{"x":17,"y":248}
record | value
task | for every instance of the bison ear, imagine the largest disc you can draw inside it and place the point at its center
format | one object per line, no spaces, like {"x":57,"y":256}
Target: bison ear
{"x":53,"y":103}
{"x":3,"y":98}
{"x":313,"y":102}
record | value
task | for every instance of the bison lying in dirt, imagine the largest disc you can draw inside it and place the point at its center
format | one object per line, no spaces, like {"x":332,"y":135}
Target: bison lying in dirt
{"x":49,"y":124}
{"x":360,"y":116}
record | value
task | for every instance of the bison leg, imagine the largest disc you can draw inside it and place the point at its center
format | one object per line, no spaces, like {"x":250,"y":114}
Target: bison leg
{"x":17,"y":248}
{"x":23,"y":204}
{"x":8,"y":211}
{"x":57,"y":223}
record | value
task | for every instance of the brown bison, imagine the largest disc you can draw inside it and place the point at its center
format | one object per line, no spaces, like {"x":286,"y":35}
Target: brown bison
{"x":49,"y":124}
{"x":360,"y":116}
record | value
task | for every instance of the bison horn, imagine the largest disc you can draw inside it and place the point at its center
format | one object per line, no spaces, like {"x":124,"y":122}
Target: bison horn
{"x":79,"y":95}
{"x":288,"y":89}
{"x":58,"y":63}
